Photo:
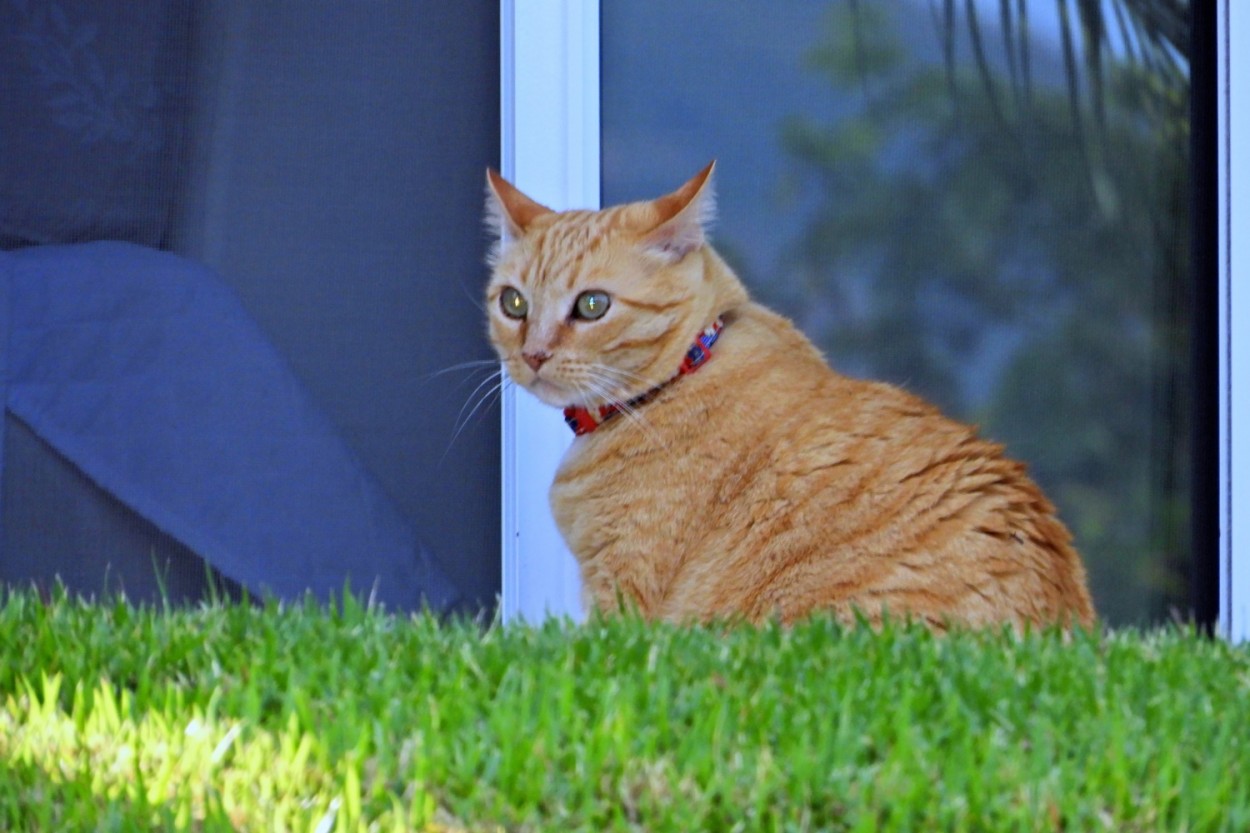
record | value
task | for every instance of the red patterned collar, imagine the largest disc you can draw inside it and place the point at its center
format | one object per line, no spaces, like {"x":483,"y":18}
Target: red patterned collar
{"x":585,"y":420}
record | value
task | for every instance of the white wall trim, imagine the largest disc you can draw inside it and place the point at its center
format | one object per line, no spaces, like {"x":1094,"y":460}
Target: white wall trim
{"x":549,"y":74}
{"x":1233,"y":76}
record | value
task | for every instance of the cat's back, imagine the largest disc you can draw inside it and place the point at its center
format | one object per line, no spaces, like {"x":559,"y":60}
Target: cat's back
{"x":893,"y":503}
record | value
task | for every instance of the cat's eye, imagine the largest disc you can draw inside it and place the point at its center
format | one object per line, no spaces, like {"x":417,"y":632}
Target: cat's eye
{"x":591,"y":305}
{"x":513,"y":303}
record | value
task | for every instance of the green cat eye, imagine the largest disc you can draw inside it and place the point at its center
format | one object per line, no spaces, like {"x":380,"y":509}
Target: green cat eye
{"x":513,"y":303}
{"x":592,"y":305}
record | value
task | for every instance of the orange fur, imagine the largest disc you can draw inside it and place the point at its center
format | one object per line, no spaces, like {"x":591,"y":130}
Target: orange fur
{"x":765,"y":484}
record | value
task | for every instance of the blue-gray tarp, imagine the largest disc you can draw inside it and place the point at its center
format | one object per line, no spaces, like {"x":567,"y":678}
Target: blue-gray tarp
{"x":143,"y":370}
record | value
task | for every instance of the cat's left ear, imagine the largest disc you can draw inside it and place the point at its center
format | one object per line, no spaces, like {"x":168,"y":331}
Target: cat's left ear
{"x":684,"y":217}
{"x":508,"y":211}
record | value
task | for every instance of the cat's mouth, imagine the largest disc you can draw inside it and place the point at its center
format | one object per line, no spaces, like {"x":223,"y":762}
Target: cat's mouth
{"x":560,"y":392}
{"x":538,"y":382}
{"x":551,"y":393}
{"x":561,"y":396}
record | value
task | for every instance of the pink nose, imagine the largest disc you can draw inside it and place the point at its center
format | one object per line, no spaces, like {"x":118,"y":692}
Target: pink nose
{"x":535,"y":360}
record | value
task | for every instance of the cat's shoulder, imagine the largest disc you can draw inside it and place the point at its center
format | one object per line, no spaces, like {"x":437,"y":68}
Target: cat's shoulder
{"x":764,"y":329}
{"x":781,"y":361}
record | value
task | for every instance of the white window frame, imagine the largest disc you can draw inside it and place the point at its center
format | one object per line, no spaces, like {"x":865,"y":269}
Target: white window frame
{"x":1233,"y":91}
{"x":549,"y":91}
{"x":550,"y":149}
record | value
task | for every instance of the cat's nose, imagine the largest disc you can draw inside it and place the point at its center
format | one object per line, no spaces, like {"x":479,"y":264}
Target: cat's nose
{"x":536,"y":360}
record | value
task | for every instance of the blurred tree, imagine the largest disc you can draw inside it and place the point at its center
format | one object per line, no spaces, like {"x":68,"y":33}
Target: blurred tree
{"x":1015,"y":274}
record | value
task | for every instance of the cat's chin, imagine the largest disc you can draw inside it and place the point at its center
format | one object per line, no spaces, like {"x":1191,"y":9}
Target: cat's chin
{"x":551,"y":394}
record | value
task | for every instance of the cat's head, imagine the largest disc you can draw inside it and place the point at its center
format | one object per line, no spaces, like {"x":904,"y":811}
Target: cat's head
{"x":590,"y":307}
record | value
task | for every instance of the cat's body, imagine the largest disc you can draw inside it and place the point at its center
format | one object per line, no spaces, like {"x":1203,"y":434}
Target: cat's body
{"x":764,"y":484}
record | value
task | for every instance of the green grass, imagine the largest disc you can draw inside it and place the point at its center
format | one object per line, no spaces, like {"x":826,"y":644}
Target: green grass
{"x":305,"y":718}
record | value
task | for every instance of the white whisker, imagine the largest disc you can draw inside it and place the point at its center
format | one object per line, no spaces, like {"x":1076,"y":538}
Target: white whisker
{"x":495,"y":382}
{"x":626,"y":377}
{"x":601,"y":382}
{"x":475,"y":364}
{"x":474,"y":298}
{"x":486,"y":391}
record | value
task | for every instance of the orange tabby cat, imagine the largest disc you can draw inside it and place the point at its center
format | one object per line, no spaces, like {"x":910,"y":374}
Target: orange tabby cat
{"x":722,"y":469}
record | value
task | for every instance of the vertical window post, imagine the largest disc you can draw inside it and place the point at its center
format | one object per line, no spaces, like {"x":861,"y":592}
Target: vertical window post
{"x":549,"y":59}
{"x":1234,"y":315}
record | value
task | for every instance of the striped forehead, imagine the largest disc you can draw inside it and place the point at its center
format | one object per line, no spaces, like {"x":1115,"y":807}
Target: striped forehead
{"x":555,"y":253}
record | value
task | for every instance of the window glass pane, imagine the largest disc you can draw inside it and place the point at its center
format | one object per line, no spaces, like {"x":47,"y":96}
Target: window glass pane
{"x":986,"y":203}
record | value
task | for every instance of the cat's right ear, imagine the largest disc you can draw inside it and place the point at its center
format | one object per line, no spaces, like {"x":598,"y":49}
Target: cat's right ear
{"x":508,"y":211}
{"x":683,"y":217}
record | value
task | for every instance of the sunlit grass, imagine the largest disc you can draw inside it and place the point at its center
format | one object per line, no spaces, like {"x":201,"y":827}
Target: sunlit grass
{"x":305,"y":718}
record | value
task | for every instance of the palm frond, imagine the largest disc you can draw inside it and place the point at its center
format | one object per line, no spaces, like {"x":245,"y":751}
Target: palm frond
{"x":1154,"y":34}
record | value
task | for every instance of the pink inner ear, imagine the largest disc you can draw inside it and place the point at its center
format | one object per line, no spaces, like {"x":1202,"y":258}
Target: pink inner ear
{"x":677,"y":237}
{"x":683,"y":216}
{"x":670,"y":205}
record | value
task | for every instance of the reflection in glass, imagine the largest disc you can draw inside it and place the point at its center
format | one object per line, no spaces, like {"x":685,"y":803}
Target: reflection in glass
{"x":990,"y":210}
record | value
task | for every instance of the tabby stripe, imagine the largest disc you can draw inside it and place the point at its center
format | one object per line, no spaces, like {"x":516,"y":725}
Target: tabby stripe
{"x":632,"y":343}
{"x":643,"y":305}
{"x":539,"y":265}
